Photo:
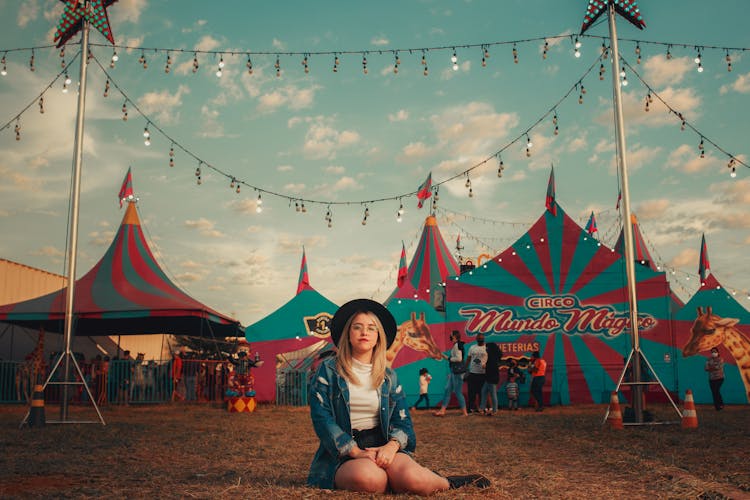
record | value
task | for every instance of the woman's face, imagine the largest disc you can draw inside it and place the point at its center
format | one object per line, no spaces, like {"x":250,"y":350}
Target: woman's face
{"x":363,"y":335}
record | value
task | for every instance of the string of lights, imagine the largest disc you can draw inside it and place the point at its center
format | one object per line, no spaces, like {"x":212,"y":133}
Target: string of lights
{"x":40,"y":98}
{"x":301,"y":203}
{"x":734,"y":160}
{"x":448,"y":212}
{"x":337,"y":54}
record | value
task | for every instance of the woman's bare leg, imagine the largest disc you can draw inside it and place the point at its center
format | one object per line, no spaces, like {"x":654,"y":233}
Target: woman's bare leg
{"x":361,"y":474}
{"x":407,"y":476}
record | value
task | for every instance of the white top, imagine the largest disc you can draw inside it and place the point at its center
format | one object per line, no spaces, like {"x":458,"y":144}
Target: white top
{"x":456,"y":354}
{"x":478,"y":356}
{"x":364,"y":401}
{"x":424,"y":383}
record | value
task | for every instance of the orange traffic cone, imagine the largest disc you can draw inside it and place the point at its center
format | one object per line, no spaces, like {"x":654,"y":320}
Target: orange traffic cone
{"x":689,"y":415}
{"x":615,"y":415}
{"x":36,"y":413}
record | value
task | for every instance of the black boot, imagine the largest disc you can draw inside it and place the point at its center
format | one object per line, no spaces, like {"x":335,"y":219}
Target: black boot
{"x":477,"y":480}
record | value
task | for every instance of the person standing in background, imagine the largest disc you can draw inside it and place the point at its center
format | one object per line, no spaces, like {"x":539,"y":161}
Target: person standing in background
{"x":538,"y":368}
{"x":424,"y":384}
{"x":491,"y":379}
{"x":475,"y":364}
{"x":715,"y":369}
{"x":455,"y":381}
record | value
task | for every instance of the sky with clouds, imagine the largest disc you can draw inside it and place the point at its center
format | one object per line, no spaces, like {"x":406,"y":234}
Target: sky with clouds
{"x":339,"y":139}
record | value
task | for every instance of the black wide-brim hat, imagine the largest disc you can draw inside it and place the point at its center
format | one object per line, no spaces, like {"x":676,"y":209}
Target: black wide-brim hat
{"x":363,"y":305}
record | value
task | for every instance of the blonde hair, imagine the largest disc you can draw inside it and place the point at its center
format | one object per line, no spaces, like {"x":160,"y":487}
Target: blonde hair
{"x":344,"y":355}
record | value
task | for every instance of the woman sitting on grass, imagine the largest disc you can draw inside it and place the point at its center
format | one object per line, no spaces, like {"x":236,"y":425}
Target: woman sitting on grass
{"x":359,"y":412}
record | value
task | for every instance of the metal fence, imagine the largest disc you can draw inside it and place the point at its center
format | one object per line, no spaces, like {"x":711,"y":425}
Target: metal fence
{"x":122,"y":382}
{"x":292,"y":386}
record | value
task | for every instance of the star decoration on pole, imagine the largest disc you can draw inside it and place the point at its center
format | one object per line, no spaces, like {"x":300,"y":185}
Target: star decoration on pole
{"x":74,"y":12}
{"x":626,"y":8}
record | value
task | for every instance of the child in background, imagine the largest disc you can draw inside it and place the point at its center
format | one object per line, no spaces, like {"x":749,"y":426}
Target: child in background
{"x":511,"y":389}
{"x":424,"y":382}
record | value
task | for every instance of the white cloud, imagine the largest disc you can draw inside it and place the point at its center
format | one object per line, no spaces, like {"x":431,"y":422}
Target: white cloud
{"x":127,"y":10}
{"x":205,"y":227}
{"x":473,"y":128}
{"x":740,"y":85}
{"x":334,"y":169}
{"x":322,"y":140}
{"x":652,"y":209}
{"x":660,"y":71}
{"x":48,"y":251}
{"x":399,"y":116}
{"x":688,"y":257}
{"x":346,"y":184}
{"x":687,"y":159}
{"x":28,"y":11}
{"x":278,"y":44}
{"x":163,"y":106}
{"x":414,"y":150}
{"x":291,"y":96}
{"x":284,"y":168}
{"x":379,"y":40}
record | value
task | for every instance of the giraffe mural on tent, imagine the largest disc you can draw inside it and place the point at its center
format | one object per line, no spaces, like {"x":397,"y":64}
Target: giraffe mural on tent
{"x":710,"y":330}
{"x":29,"y":372}
{"x":415,"y":334}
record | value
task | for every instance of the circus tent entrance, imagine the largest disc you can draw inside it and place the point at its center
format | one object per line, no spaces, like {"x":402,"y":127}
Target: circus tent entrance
{"x":561,"y":291}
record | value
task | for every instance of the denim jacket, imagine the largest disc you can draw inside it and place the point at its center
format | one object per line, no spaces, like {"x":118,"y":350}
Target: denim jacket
{"x":329,"y":410}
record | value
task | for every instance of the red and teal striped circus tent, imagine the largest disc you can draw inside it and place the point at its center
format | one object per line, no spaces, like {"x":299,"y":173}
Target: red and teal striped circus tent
{"x":126,"y":292}
{"x":640,"y":250}
{"x":431,"y":264}
{"x":714,"y":318}
{"x":558,"y":290}
{"x":299,"y":327}
{"x":418,"y":304}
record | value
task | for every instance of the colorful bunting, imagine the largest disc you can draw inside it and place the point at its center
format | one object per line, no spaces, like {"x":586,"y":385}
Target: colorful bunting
{"x":402,"y":271}
{"x":303,"y":283}
{"x":703,"y":264}
{"x":626,"y":8}
{"x":71,"y":22}
{"x":550,"y":199}
{"x":591,"y":225}
{"x":126,"y":191}
{"x":424,"y":191}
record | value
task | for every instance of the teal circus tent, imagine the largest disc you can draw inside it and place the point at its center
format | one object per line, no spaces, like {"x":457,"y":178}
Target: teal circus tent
{"x":558,"y":290}
{"x":126,"y":292}
{"x":713,"y":318}
{"x":300,"y":323}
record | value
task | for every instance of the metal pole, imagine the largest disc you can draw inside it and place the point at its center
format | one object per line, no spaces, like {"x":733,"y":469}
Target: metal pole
{"x":636,"y":389}
{"x":73,"y":246}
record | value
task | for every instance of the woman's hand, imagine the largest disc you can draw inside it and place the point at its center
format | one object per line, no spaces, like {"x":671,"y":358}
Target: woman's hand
{"x":358,"y":452}
{"x":385,"y":454}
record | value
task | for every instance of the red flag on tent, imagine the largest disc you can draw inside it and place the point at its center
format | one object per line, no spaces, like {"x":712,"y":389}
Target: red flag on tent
{"x":424,"y":191}
{"x":703,"y":264}
{"x":303,"y":283}
{"x":126,"y":191}
{"x":550,"y":200}
{"x":591,"y":225}
{"x":619,"y":199}
{"x":402,"y":267}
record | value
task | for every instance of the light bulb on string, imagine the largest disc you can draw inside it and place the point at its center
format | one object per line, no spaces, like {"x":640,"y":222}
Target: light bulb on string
{"x":31,"y":61}
{"x":18,"y":129}
{"x":364,"y":218}
{"x":554,"y":122}
{"x":195,"y":62}
{"x":638,"y":53}
{"x":484,"y":58}
{"x":729,"y":62}
{"x":296,"y":206}
{"x":143,"y":60}
{"x":701,"y":148}
{"x":238,"y":188}
{"x":601,"y":71}
{"x":396,"y":62}
{"x":305,"y":64}
{"x":529,"y":145}
{"x":500,"y":166}
{"x":231,"y":184}
{"x":577,"y":45}
{"x":669,"y":52}
{"x":302,"y":208}
{"x":515,"y":54}
{"x":66,"y":82}
{"x":41,"y":105}
{"x":277,"y":65}
{"x":545,"y":49}
{"x":624,"y":77}
{"x":259,"y":204}
{"x":364,"y":63}
{"x":648,"y":101}
{"x":454,"y":60}
{"x":113,"y":59}
{"x":125,"y":111}
{"x":168,"y":63}
{"x":106,"y":88}
{"x":335,"y":63}
{"x":249,"y":65}
{"x":221,"y":61}
{"x":146,"y":136}
{"x":486,"y":52}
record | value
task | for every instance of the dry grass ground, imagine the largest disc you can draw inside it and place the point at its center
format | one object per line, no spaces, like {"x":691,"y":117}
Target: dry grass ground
{"x":202,"y":452}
